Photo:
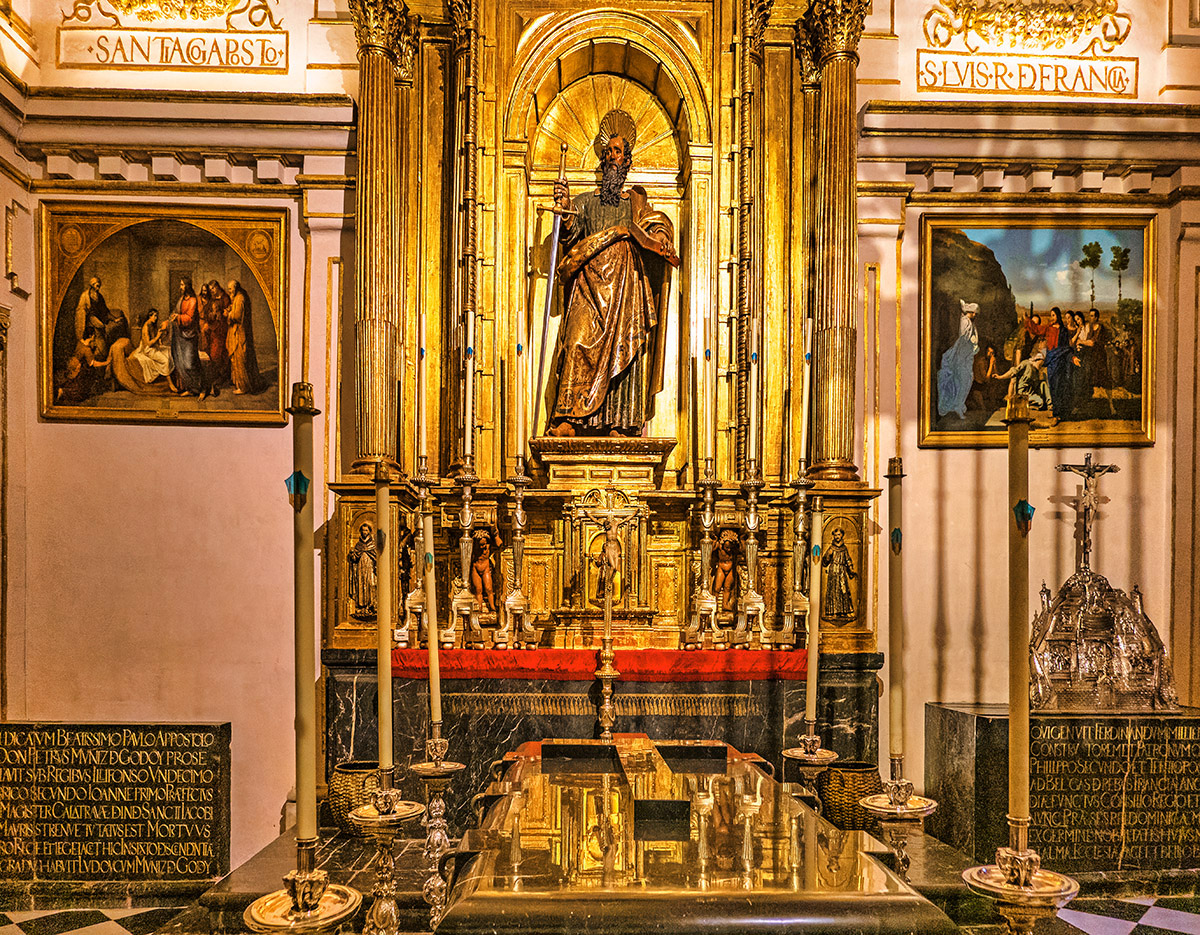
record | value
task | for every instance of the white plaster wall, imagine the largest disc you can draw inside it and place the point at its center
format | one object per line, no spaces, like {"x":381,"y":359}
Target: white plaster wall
{"x":157,"y":574}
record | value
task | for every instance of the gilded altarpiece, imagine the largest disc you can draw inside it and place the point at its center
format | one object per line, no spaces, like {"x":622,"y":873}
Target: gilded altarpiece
{"x":547,"y":75}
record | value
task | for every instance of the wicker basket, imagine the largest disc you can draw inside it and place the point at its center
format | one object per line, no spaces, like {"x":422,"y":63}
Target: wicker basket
{"x":841,"y":786}
{"x":350,"y":786}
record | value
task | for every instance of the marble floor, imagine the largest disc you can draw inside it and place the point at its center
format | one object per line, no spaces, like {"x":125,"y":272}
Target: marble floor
{"x":1136,"y":916}
{"x":86,"y":921}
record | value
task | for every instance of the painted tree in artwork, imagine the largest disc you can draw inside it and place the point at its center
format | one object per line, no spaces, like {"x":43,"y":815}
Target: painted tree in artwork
{"x":1091,"y":260}
{"x":1119,"y":263}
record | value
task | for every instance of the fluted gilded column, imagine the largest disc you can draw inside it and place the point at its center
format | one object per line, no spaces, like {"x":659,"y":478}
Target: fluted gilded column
{"x":835,"y":27}
{"x":378,"y":26}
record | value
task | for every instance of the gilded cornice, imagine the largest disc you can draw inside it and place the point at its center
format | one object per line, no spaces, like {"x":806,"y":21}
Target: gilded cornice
{"x":407,"y":44}
{"x":836,"y":26}
{"x":378,"y":25}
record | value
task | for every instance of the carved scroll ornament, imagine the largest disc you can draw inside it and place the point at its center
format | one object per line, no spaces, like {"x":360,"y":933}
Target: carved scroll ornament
{"x":1035,"y":24}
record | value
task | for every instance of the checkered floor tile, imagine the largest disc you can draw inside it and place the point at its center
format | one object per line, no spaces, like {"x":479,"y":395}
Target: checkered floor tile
{"x":1134,"y":916}
{"x":86,"y":921}
{"x":1166,"y":915}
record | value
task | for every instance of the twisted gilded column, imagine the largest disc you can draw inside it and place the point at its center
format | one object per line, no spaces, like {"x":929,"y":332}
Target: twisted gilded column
{"x":378,"y":26}
{"x":834,"y":27}
{"x":810,"y":93}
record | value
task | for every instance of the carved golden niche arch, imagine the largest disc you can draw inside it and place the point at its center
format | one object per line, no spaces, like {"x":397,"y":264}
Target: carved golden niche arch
{"x":654,"y":52}
{"x":568,"y":72}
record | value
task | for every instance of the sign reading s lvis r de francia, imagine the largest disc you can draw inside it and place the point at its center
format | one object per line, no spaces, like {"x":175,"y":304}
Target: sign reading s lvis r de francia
{"x":1049,"y":48}
{"x":208,"y":36}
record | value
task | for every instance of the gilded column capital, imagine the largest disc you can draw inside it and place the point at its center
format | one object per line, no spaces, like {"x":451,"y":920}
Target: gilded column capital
{"x":806,"y":51}
{"x":408,"y":41}
{"x":836,"y":26}
{"x":462,"y":17}
{"x":378,"y":25}
{"x":760,"y":13}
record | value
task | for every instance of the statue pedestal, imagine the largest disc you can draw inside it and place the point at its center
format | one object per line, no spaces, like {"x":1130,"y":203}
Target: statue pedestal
{"x":587,"y":462}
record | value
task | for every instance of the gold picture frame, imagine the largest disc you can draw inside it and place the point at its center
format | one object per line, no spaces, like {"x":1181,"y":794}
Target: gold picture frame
{"x":1058,"y":305}
{"x":122,"y":338}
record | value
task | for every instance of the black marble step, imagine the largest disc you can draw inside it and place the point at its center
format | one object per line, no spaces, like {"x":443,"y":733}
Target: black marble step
{"x":348,"y":860}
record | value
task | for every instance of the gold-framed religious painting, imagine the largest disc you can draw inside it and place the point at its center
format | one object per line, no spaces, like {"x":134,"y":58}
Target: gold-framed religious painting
{"x":162,"y":313}
{"x":1056,"y":306}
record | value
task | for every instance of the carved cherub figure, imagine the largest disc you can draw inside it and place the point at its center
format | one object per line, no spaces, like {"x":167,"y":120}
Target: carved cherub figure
{"x":483,"y":541}
{"x":726,"y":578}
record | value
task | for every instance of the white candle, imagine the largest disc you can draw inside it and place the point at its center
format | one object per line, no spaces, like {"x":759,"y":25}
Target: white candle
{"x":469,"y":398}
{"x":431,"y":638}
{"x":425,"y":561}
{"x":710,"y":391}
{"x":814,"y":613}
{"x":431,"y":614}
{"x":805,"y":390}
{"x":306,"y":650}
{"x":383,"y":613}
{"x":752,"y":388}
{"x":519,"y":383}
{"x":1018,"y":620}
{"x":422,"y":433}
{"x":896,"y":706}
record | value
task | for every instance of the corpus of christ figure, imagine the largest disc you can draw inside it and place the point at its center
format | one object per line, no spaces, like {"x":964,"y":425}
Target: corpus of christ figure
{"x":615,"y":271}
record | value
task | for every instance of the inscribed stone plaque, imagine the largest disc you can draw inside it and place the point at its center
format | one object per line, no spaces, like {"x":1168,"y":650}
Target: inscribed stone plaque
{"x":1107,"y":791}
{"x":1115,"y":792}
{"x":114,"y":801}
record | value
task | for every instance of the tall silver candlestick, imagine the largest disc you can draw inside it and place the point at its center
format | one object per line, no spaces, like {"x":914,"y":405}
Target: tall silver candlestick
{"x":1022,"y":889}
{"x":308,"y":902}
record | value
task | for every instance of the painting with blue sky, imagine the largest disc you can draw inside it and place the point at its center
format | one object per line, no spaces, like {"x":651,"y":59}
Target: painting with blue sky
{"x":1056,"y":308}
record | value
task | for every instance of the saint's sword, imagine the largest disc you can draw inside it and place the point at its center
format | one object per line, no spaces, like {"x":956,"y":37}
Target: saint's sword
{"x":558,"y":213}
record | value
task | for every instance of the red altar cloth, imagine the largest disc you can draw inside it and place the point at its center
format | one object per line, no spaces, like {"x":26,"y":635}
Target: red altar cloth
{"x":635,"y":665}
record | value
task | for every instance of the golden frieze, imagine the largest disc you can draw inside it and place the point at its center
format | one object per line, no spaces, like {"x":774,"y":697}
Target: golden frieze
{"x":1039,"y":24}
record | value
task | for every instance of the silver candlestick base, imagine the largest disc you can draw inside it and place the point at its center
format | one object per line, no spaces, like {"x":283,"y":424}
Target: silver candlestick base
{"x":897,"y":800}
{"x":811,"y":759}
{"x":382,"y":818}
{"x":308,"y":902}
{"x":1022,"y":890}
{"x":436,"y":774}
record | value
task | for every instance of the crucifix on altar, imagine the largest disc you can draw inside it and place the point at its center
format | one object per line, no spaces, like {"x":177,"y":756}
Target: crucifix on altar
{"x":1089,"y":500}
{"x":612,"y":519}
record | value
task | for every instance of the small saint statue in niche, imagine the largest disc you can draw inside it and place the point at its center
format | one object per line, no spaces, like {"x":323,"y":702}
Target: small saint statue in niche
{"x":616,"y":275}
{"x":364,"y":573}
{"x":482,"y":542}
{"x":839,"y":571}
{"x":404,"y":554}
{"x":726,"y":578}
